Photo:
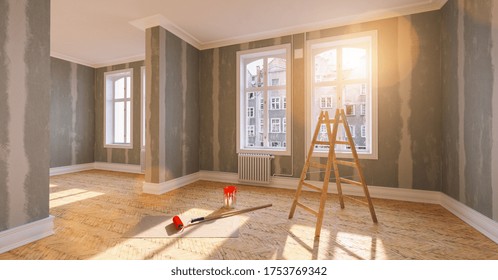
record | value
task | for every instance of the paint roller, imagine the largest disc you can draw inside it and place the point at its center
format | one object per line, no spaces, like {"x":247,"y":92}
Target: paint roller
{"x":179,"y":224}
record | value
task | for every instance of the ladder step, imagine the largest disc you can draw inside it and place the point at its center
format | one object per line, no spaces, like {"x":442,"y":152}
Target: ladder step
{"x":348,"y":163}
{"x":311,"y":186}
{"x":307,"y":208}
{"x":321,"y":143}
{"x":352,"y":182}
{"x":317,"y":165}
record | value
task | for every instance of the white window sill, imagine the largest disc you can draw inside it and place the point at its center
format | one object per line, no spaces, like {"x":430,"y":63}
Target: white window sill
{"x":119,"y":146}
{"x":266,"y":151}
{"x":347,"y":155}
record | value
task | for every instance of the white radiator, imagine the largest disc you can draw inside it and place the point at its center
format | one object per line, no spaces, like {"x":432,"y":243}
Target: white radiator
{"x":255,"y":168}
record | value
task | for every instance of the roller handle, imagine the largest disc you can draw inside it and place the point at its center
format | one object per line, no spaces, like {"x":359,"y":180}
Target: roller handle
{"x":197,"y":219}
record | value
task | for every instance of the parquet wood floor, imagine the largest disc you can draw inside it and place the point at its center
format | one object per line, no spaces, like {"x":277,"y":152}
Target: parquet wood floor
{"x":93,"y":209}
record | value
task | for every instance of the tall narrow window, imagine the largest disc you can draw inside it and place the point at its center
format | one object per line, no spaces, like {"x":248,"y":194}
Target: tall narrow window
{"x":118,"y":109}
{"x":343,"y":76}
{"x":263,"y":98}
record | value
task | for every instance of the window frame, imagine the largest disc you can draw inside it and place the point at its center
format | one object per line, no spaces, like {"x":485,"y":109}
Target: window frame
{"x":372,"y":111}
{"x":109,"y":103}
{"x":243,"y":58}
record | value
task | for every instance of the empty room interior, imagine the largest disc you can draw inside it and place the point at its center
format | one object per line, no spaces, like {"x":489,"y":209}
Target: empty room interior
{"x":248,"y":130}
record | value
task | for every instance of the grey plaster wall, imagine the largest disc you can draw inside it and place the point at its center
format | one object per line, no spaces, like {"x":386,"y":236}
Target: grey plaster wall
{"x":409,"y":96}
{"x":182,"y":107}
{"x":24,"y":111}
{"x":72,"y":113}
{"x":172,"y":116}
{"x":469,"y":90}
{"x":116,"y":155}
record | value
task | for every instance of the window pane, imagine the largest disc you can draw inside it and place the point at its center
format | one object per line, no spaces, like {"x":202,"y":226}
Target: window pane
{"x":255,"y":74}
{"x":354,"y":63}
{"x":119,"y":89}
{"x":326,"y":66}
{"x":119,"y":126}
{"x":128,"y":87}
{"x":128,"y":121}
{"x":276,"y":71}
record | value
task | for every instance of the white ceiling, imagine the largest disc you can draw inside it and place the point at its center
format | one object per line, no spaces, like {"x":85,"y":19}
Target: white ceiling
{"x":104,"y":32}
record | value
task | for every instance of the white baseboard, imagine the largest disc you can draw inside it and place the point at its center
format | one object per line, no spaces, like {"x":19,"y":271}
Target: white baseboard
{"x":118,"y":167}
{"x":71,"y":168}
{"x":22,"y":235}
{"x":216,"y":176}
{"x":164,"y":187}
{"x":483,"y":224}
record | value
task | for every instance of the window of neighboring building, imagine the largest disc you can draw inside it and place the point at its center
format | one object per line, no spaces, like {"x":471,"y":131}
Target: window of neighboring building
{"x":250,"y":131}
{"x":350,"y":110}
{"x":343,"y":74}
{"x":352,"y":130}
{"x":363,"y":131}
{"x":250,"y":112}
{"x":275,"y":125}
{"x":118,"y":109}
{"x":284,"y":125}
{"x":263,"y":72}
{"x":326,"y":102}
{"x":275,"y":103}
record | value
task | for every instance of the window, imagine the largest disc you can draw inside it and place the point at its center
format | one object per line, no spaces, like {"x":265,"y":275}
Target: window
{"x":326,"y":102}
{"x":264,"y":72}
{"x":343,"y":74}
{"x":118,"y":109}
{"x":275,"y":126}
{"x":250,"y":112}
{"x":275,"y":103}
{"x":352,"y":130}
{"x":250,"y":131}
{"x":363,"y":131}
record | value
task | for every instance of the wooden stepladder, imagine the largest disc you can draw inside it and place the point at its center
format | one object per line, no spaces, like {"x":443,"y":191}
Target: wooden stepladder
{"x":332,"y":162}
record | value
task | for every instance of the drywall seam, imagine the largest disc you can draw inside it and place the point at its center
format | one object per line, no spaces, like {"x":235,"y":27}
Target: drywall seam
{"x":494,"y":120}
{"x":184,"y":106}
{"x":216,"y":109}
{"x":17,"y":161}
{"x":461,"y":100}
{"x":74,"y":99}
{"x":405,"y":65}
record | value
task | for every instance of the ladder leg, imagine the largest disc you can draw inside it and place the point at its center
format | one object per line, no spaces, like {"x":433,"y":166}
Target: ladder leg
{"x":306,"y":166}
{"x":358,"y":167}
{"x":338,"y":184}
{"x":321,"y":211}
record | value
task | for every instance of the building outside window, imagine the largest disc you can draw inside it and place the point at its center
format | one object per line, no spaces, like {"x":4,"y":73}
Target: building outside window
{"x":343,"y":74}
{"x":264,"y":73}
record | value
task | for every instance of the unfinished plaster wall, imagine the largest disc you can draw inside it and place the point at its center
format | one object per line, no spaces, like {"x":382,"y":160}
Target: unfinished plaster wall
{"x":469,"y":88}
{"x":172,"y":107}
{"x":24,"y":111}
{"x":72,"y":111}
{"x":409,"y":99}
